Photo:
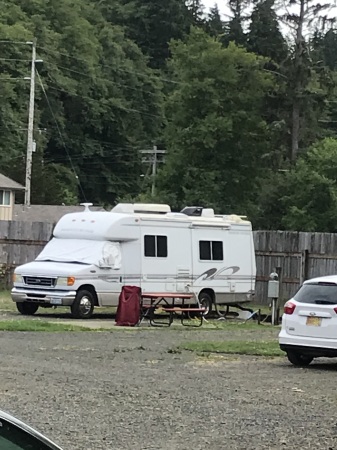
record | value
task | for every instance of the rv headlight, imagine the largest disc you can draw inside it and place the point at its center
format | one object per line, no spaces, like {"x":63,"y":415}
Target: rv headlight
{"x":66,"y":281}
{"x":17,"y":278}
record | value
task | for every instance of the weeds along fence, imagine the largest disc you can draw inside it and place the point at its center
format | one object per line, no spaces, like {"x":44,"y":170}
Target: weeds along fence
{"x":295,"y":256}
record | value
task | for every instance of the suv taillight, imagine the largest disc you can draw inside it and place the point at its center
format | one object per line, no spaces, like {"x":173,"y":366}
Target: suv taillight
{"x":335,"y":309}
{"x":289,"y":308}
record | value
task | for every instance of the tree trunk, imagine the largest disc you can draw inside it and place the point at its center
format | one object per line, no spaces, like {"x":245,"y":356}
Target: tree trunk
{"x":295,"y":135}
{"x":298,"y":62}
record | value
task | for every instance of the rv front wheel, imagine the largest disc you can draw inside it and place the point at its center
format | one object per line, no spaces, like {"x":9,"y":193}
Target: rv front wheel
{"x":83,"y":305}
{"x":206,"y":302}
{"x":27,"y":309}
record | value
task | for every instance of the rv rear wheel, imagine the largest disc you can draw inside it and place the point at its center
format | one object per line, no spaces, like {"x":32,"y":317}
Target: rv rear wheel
{"x":27,"y":309}
{"x":83,"y":305}
{"x":206,"y":302}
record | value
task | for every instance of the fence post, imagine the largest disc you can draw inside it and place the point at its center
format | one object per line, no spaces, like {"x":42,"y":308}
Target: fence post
{"x":304,"y":266}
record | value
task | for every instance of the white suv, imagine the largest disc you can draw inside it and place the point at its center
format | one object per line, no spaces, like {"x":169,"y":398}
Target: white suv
{"x":309,"y":322}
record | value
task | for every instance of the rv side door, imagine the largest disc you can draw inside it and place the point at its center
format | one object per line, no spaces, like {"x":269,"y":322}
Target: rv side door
{"x":111,"y":274}
{"x":166,"y":258}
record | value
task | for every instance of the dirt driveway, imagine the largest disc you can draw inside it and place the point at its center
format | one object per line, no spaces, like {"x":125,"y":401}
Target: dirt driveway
{"x":127,"y":390}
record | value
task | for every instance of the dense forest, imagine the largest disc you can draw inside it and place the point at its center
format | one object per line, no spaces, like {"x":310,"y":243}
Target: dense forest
{"x":242,"y":109}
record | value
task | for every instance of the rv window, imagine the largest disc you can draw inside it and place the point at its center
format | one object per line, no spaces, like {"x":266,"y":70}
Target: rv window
{"x":205,"y":250}
{"x":155,"y":246}
{"x":162,"y":246}
{"x":211,"y":250}
{"x":217,"y":251}
{"x":150,"y":245}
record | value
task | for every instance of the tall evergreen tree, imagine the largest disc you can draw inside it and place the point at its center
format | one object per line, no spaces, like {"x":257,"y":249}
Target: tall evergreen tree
{"x":150,"y":23}
{"x":214,"y":23}
{"x":265,"y":37}
{"x":301,"y":15}
{"x":330,"y":49}
{"x":235,"y":26}
{"x":323,"y":51}
{"x":216,"y":134}
{"x":196,"y":10}
{"x":323,"y":47}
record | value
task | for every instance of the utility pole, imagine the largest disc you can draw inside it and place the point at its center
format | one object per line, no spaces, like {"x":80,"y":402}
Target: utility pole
{"x":154,"y":170}
{"x":154,"y":160}
{"x":30,"y":138}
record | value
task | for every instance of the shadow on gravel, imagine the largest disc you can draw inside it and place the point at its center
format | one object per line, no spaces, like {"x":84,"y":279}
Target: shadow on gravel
{"x":326,"y":366}
{"x":315,"y":366}
{"x":69,"y":316}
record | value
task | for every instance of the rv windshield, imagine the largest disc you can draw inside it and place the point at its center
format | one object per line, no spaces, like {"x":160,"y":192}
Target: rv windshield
{"x":83,"y":251}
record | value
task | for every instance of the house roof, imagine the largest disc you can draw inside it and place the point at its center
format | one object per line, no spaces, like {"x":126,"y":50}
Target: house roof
{"x":7,"y":183}
{"x":46,"y":213}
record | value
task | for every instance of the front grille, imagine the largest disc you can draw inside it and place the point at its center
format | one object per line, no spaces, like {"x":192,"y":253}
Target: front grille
{"x":40,"y":281}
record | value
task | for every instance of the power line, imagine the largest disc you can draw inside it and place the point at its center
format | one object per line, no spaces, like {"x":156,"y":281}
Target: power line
{"x":85,"y":160}
{"x":14,"y":59}
{"x":104,"y":100}
{"x":118,"y":69}
{"x":91,"y":76}
{"x":8,"y":41}
{"x":60,"y":134}
{"x":12,"y":79}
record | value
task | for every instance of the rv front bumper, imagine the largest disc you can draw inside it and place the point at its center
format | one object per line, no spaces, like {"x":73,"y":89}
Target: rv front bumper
{"x":61,"y":298}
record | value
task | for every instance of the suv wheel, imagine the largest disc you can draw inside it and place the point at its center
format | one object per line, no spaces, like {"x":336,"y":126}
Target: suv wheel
{"x":299,"y":360}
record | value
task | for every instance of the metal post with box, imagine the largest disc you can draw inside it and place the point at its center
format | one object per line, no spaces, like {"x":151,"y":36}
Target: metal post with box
{"x":273,"y":293}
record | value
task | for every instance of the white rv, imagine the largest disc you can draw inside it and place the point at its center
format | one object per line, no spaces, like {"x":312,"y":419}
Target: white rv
{"x":93,"y":254}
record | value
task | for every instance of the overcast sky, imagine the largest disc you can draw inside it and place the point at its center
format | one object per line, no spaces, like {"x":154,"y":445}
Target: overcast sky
{"x":209,"y":3}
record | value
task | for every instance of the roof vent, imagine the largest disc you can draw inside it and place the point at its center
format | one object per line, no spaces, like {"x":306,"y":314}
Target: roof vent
{"x":125,"y":208}
{"x":207,"y":212}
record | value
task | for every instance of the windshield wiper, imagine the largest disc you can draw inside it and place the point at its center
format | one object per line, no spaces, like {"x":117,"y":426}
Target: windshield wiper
{"x":64,"y":262}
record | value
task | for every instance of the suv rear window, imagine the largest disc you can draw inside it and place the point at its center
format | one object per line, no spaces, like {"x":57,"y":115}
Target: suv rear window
{"x":318,"y":293}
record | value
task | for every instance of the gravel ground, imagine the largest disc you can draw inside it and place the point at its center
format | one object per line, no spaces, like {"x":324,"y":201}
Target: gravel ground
{"x":124,"y":390}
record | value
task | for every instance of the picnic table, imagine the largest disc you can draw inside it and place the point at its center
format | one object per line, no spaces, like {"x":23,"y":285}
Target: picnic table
{"x":167,"y":302}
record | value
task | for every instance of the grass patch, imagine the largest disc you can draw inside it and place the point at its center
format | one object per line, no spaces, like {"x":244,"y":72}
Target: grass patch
{"x":258,"y":348}
{"x":37,"y":325}
{"x":6,"y":303}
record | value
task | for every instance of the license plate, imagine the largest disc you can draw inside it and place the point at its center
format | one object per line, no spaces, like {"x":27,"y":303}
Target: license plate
{"x":56,"y":301}
{"x":314,"y":321}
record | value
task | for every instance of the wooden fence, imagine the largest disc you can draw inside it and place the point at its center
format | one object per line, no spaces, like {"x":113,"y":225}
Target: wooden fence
{"x":295,"y":256}
{"x":20,"y":242}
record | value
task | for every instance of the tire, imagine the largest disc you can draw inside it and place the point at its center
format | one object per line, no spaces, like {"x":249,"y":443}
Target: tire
{"x":299,"y":360}
{"x":206,"y":301}
{"x":83,"y":305}
{"x":27,"y":309}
